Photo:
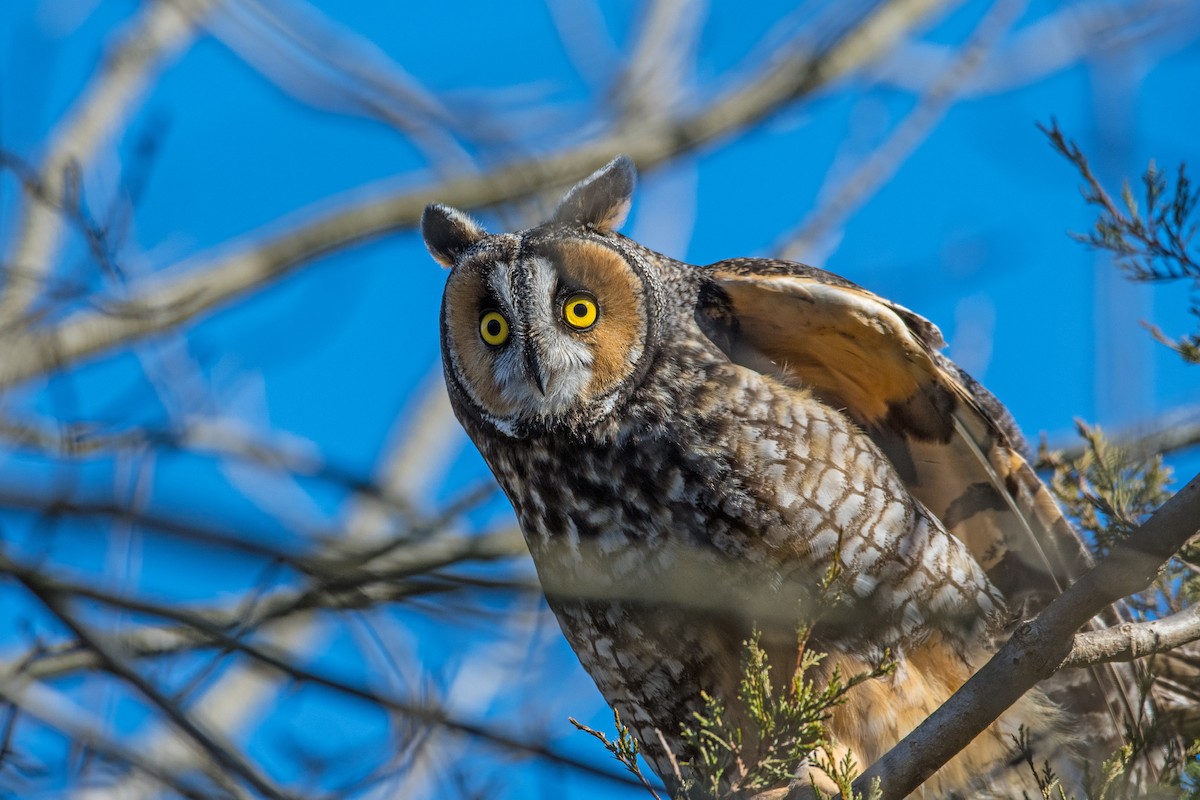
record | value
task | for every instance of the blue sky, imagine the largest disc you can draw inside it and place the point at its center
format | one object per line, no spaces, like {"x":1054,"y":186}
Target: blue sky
{"x":970,"y":231}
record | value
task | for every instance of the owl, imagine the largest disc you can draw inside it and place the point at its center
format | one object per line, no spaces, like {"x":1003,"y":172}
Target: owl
{"x":698,"y":454}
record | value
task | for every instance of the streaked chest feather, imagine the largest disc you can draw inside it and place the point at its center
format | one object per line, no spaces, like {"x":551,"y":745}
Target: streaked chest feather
{"x":759,"y":474}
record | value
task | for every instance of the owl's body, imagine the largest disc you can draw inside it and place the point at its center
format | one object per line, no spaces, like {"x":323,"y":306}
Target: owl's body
{"x":683,"y":474}
{"x":687,"y":464}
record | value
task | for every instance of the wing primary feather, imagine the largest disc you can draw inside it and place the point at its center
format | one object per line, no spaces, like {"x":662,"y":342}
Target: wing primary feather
{"x":1009,"y":500}
{"x":1109,"y":682}
{"x":945,"y":434}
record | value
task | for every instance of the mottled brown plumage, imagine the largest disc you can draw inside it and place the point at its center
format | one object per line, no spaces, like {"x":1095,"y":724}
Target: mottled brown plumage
{"x":690,"y":463}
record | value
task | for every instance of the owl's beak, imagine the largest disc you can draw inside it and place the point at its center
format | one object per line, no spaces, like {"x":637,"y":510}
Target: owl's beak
{"x":534,"y":367}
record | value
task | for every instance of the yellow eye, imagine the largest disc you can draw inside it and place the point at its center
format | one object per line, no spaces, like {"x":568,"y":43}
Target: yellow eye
{"x":493,"y":328}
{"x":580,"y":311}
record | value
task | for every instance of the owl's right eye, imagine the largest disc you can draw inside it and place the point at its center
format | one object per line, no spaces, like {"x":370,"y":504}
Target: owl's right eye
{"x":493,"y":328}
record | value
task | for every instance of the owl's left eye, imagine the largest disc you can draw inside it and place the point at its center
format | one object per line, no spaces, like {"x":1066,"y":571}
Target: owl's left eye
{"x":580,"y":311}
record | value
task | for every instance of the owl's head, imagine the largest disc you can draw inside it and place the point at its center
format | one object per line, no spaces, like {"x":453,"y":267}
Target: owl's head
{"x":548,"y":326}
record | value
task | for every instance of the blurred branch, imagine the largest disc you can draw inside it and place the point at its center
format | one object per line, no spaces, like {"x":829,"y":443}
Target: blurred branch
{"x":1037,"y":649}
{"x":189,"y":289}
{"x":344,"y":574}
{"x":109,"y":659}
{"x":71,"y":207}
{"x":1177,"y":430}
{"x":1080,"y":31}
{"x":882,"y":164}
{"x":203,"y":626}
{"x":662,"y":61}
{"x":404,"y":469}
{"x":313,"y":58}
{"x":363,"y":587}
{"x":88,"y":733}
{"x":585,"y":39}
{"x":160,"y":31}
{"x":216,"y":437}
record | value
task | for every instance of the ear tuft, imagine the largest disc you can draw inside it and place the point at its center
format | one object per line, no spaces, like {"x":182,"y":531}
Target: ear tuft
{"x":602,"y":199}
{"x":448,"y":233}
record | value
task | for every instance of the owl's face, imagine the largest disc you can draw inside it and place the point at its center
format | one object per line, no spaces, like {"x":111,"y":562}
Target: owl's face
{"x":545,"y":327}
{"x":541,"y":331}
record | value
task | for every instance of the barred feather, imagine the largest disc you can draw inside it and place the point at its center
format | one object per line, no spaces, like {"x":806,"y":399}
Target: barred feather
{"x":952,"y":442}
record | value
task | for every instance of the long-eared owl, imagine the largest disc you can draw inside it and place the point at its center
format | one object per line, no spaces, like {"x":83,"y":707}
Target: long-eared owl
{"x":696,"y":452}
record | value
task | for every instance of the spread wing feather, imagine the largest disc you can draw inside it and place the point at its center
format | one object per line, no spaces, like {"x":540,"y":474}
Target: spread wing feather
{"x":954,"y":445}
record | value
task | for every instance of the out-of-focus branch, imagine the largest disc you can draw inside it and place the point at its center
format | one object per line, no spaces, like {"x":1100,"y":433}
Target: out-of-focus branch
{"x":287,"y":664}
{"x":182,"y":293}
{"x":312,"y":57}
{"x":1135,"y":640}
{"x":586,"y":40}
{"x":1037,"y":649}
{"x":876,"y":169}
{"x":401,"y":575}
{"x":237,"y":540}
{"x":403,"y":471}
{"x":1080,"y":31}
{"x":219,"y":750}
{"x":1177,"y":430}
{"x":161,"y":30}
{"x":662,"y":60}
{"x":84,"y":731}
{"x":217,"y":437}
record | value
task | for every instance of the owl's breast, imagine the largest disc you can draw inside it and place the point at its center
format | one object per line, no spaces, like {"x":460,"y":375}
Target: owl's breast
{"x":750,"y":488}
{"x":667,"y":498}
{"x":664,"y":543}
{"x":610,"y":499}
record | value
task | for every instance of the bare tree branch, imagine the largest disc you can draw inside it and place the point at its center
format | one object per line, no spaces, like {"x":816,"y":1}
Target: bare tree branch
{"x":1075,"y":32}
{"x":310,"y":56}
{"x":220,"y":751}
{"x":1135,"y":640}
{"x":160,"y":31}
{"x":882,"y":163}
{"x":222,"y":438}
{"x":85,"y":731}
{"x":285,"y":663}
{"x":405,"y":469}
{"x":187,"y":290}
{"x":663,"y":59}
{"x":1172,"y":432}
{"x":1037,"y":649}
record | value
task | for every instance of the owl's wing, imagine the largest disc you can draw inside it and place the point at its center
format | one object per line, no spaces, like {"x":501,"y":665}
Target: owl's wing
{"x":951,"y":441}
